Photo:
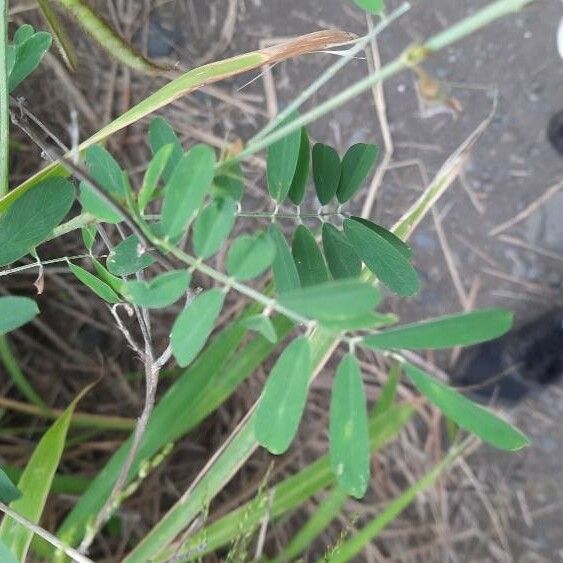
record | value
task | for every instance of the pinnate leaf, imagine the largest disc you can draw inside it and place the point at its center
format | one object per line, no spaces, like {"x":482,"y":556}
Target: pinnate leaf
{"x":343,"y":262}
{"x":299,"y":182}
{"x":356,"y":165}
{"x":249,"y":256}
{"x":128,"y":257}
{"x":327,"y":169}
{"x":283,"y":266}
{"x":308,"y":258}
{"x":160,"y":292}
{"x":213,"y":226}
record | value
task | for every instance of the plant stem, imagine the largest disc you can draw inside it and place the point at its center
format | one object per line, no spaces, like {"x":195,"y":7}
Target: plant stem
{"x":4,"y":116}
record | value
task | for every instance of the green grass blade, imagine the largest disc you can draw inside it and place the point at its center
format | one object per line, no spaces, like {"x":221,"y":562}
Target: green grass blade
{"x":35,"y":483}
{"x":4,"y":115}
{"x":353,"y":546}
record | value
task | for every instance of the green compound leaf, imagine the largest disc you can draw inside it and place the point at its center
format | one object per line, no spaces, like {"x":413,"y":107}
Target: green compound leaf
{"x":161,"y":135}
{"x":371,"y":6}
{"x":15,"y":312}
{"x":249,"y":256}
{"x":382,"y":258}
{"x":308,"y":258}
{"x":299,"y":182}
{"x":160,"y":292}
{"x":35,"y":483}
{"x":343,"y":262}
{"x":334,"y":300}
{"x":262,"y":325}
{"x":465,"y":413}
{"x":348,"y":430}
{"x":186,"y":189}
{"x":281,"y":163}
{"x":356,"y":165}
{"x":462,"y":329}
{"x":32,"y":218}
{"x":286,"y":277}
{"x":326,"y":172}
{"x":213,"y":226}
{"x":285,"y":394}
{"x":26,"y":54}
{"x":391,"y":238}
{"x":99,"y":287}
{"x":194,"y":325}
{"x":128,"y":257}
{"x":8,"y":491}
{"x":154,"y":173}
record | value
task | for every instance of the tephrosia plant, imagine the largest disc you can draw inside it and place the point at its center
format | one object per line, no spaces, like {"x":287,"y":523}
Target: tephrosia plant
{"x":315,"y":280}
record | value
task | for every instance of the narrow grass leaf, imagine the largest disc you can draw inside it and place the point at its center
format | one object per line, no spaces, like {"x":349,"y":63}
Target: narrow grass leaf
{"x":160,"y":292}
{"x":161,"y":134}
{"x":327,"y":169}
{"x":383,"y":259}
{"x":342,"y":260}
{"x":283,"y":400}
{"x":99,"y":287}
{"x":301,"y":176}
{"x":194,"y":325}
{"x":371,"y":6}
{"x":15,"y":312}
{"x":281,"y":163}
{"x":465,"y":413}
{"x":8,"y":491}
{"x":348,"y":430}
{"x":286,"y":277}
{"x":445,"y":332}
{"x":308,"y":258}
{"x":32,"y":218}
{"x":128,"y":257}
{"x":213,"y":226}
{"x":153,"y":174}
{"x":388,"y":392}
{"x":356,"y":165}
{"x":250,"y":255}
{"x":262,"y":325}
{"x":29,"y":48}
{"x":391,"y":238}
{"x":344,"y":299}
{"x":35,"y":483}
{"x":186,"y":189}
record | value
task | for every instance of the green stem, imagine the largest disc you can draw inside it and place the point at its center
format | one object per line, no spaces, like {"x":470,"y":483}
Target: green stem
{"x":4,"y":115}
{"x":18,"y":377}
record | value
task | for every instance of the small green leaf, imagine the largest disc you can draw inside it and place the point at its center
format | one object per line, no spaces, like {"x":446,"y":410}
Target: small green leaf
{"x":388,"y":392}
{"x":371,"y":6}
{"x":299,"y":182}
{"x":229,"y":182}
{"x":466,"y":413}
{"x":29,"y":48}
{"x":8,"y":491}
{"x":194,"y":325}
{"x":153,"y":175}
{"x":341,"y":257}
{"x":263,"y":325}
{"x":356,"y":165}
{"x":92,"y":203}
{"x":186,"y":189}
{"x":32,"y":218}
{"x":343,"y":299}
{"x":280,"y":409}
{"x":382,"y":258}
{"x":113,"y":281}
{"x":15,"y":312}
{"x":308,"y":258}
{"x":213,"y":226}
{"x":128,"y":257}
{"x":35,"y":483}
{"x":99,"y":287}
{"x":106,"y":171}
{"x":160,"y":292}
{"x":160,"y":135}
{"x":363,"y":322}
{"x":400,"y":246}
{"x":445,"y":332}
{"x":88,"y":236}
{"x":349,"y":437}
{"x":249,"y":256}
{"x":283,"y":266}
{"x":326,"y":172}
{"x":281,"y":164}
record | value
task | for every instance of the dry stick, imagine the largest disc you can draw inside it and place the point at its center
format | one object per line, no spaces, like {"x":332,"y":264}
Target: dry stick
{"x":531,"y":247}
{"x":53,"y":540}
{"x":374,"y":65}
{"x":549,"y":193}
